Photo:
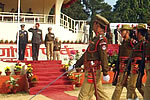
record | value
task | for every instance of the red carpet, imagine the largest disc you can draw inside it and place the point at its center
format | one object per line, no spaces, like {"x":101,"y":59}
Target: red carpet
{"x":47,"y":71}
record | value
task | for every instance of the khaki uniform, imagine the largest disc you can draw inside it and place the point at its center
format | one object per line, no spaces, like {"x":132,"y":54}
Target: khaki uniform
{"x":147,"y":67}
{"x":124,"y":52}
{"x":49,"y":43}
{"x":57,"y":47}
{"x":137,"y":58}
{"x":95,"y":52}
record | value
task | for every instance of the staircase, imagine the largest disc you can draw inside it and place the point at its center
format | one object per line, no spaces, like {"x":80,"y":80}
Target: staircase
{"x":47,"y":71}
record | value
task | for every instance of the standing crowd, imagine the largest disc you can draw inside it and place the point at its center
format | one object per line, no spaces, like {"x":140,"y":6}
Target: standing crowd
{"x":52,"y":44}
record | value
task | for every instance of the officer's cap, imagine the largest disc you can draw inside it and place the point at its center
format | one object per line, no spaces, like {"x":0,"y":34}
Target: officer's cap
{"x":141,"y":26}
{"x":22,"y":25}
{"x":126,"y":27}
{"x":101,"y":20}
{"x":49,"y":28}
{"x":37,"y":24}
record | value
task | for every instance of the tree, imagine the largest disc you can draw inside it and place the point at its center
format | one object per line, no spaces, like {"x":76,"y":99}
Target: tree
{"x":75,"y":11}
{"x":131,"y":11}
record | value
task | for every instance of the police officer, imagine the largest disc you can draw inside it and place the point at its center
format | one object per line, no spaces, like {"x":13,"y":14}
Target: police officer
{"x":137,"y":68}
{"x":124,"y":52}
{"x":36,"y":40}
{"x":23,"y":40}
{"x":147,"y":66}
{"x":49,"y":43}
{"x":95,"y":57}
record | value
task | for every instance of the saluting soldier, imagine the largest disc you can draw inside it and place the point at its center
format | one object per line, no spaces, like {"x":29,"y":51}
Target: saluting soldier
{"x":137,"y":65}
{"x":23,"y":40}
{"x":125,"y":50}
{"x":36,"y":40}
{"x":147,"y":66}
{"x":96,"y":57}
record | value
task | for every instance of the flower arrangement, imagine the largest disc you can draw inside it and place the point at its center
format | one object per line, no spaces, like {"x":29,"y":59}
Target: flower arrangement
{"x":18,"y":68}
{"x":7,"y":69}
{"x":112,"y":58}
{"x":29,"y":69}
{"x":34,"y":78}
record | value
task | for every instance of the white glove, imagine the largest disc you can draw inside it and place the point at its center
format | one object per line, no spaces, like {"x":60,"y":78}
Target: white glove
{"x":71,"y":68}
{"x":106,"y":78}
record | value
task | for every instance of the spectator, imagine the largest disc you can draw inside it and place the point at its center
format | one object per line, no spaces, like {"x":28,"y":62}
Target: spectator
{"x":49,"y":43}
{"x":36,"y":40}
{"x":12,"y":10}
{"x":23,"y":40}
{"x":30,"y":11}
{"x":57,"y":47}
{"x":116,"y":32}
{"x":86,"y":32}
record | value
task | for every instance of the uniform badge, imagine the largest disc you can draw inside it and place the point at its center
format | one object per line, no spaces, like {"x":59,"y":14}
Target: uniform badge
{"x":103,"y":47}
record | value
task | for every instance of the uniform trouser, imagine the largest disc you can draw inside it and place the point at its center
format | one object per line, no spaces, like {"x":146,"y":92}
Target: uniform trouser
{"x":133,"y":82}
{"x":86,"y":38}
{"x":56,"y":55}
{"x":49,"y":50}
{"x":87,"y":89}
{"x":35,"y":51}
{"x":147,"y":84}
{"x":22,"y":48}
{"x":118,"y":90}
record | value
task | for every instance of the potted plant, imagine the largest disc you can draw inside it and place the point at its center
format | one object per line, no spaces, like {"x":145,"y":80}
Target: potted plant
{"x":17,"y":69}
{"x":12,"y":84}
{"x":34,"y":80}
{"x":78,"y":80}
{"x":7,"y":71}
{"x":29,"y":72}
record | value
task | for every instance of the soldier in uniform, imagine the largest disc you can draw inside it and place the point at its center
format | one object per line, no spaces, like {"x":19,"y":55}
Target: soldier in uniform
{"x":49,"y":43}
{"x":23,"y":40}
{"x":137,"y":68}
{"x":147,"y":66}
{"x":124,"y":52}
{"x":96,"y":57}
{"x":36,"y":40}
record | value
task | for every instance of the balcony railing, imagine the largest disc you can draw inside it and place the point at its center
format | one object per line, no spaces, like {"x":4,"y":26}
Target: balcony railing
{"x":76,"y":26}
{"x":25,"y":18}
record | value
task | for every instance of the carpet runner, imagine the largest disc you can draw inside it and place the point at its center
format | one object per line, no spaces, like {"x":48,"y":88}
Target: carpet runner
{"x":48,"y":71}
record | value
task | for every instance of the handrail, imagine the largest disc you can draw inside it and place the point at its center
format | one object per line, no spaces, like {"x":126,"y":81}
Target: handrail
{"x":76,"y":26}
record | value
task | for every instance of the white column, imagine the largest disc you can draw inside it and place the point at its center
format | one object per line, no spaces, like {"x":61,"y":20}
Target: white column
{"x":58,"y":6}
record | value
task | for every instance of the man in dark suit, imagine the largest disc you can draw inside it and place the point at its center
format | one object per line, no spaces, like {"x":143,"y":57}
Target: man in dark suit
{"x":116,"y":31}
{"x":37,"y":39}
{"x":23,"y":40}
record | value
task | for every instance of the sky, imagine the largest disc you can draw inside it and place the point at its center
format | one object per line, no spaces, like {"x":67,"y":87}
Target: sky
{"x":111,"y":2}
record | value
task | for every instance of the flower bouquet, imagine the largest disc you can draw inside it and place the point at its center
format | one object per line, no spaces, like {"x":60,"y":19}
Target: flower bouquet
{"x":7,"y":71}
{"x":17,"y":69}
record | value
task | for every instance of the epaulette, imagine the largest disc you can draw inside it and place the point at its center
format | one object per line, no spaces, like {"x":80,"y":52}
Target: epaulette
{"x":103,"y":42}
